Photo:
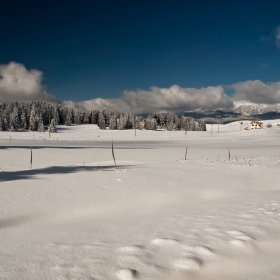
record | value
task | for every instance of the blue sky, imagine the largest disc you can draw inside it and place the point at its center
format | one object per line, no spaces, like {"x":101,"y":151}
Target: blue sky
{"x":99,"y":49}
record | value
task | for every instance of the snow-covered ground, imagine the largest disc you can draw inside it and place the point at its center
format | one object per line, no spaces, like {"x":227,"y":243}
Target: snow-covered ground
{"x":157,"y":216}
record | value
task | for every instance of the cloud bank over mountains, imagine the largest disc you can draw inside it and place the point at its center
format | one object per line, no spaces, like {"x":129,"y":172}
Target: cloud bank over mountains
{"x":178,"y":99}
{"x":19,"y":84}
{"x":175,"y":99}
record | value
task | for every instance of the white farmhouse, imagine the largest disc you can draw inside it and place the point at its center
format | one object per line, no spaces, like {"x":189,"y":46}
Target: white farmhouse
{"x":256,"y":125}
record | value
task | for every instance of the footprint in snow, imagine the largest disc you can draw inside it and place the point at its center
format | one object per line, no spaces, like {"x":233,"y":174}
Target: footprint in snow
{"x":192,"y":258}
{"x":137,"y":257}
{"x":163,"y":254}
{"x":164,"y":242}
{"x":127,"y":274}
{"x":189,"y":264}
{"x":202,"y":251}
{"x":135,"y":249}
{"x":240,"y":239}
{"x":131,"y":255}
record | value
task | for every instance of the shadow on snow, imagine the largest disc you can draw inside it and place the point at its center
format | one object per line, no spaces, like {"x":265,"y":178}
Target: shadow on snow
{"x":30,"y":174}
{"x":116,"y":147}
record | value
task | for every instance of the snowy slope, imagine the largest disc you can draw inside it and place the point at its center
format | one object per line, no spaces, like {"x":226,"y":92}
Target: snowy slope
{"x":249,"y":109}
{"x":241,"y":109}
{"x":157,"y":216}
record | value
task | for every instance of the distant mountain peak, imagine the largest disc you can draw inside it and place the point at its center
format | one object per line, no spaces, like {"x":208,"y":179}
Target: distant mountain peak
{"x":249,"y":109}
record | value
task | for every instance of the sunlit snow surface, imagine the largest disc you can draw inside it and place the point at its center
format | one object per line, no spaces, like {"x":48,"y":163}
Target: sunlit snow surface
{"x":157,"y":216}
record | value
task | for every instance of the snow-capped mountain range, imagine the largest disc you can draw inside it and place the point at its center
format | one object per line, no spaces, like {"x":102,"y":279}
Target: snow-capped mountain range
{"x":251,"y":109}
{"x":241,"y":109}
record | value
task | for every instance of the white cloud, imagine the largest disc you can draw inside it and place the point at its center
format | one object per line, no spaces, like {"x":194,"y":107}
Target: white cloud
{"x":277,"y":36}
{"x":257,"y":92}
{"x":173,"y":99}
{"x":19,"y":84}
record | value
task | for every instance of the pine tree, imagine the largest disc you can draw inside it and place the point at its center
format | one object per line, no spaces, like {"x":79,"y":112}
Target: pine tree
{"x":136,"y":123}
{"x":56,"y":116}
{"x":147,"y":123}
{"x":162,"y":120}
{"x":130,"y":121}
{"x":86,"y":117}
{"x":40,"y":127}
{"x":9,"y":111}
{"x":183,"y":124}
{"x":106,"y":117}
{"x":169,"y":122}
{"x":14,"y":119}
{"x":190,"y":124}
{"x":200,"y":125}
{"x":23,"y":122}
{"x":62,"y":115}
{"x":94,"y":117}
{"x":176,"y":122}
{"x":68,"y":121}
{"x":113,"y":122}
{"x":156,"y":117}
{"x":33,"y":120}
{"x":101,"y":120}
{"x":150,"y":123}
{"x":77,"y":117}
{"x":52,"y":127}
{"x":5,"y":124}
{"x":122,"y":122}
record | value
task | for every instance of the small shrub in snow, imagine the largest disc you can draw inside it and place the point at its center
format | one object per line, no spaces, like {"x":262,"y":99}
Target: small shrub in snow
{"x":269,"y":125}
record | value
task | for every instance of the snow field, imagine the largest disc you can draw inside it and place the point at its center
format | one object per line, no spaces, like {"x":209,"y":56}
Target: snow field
{"x":157,"y":216}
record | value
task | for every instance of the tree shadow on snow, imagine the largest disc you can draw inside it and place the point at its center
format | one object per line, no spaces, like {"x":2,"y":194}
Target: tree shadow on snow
{"x":13,"y":221}
{"x":40,"y":147}
{"x":32,"y":173}
{"x":109,"y":147}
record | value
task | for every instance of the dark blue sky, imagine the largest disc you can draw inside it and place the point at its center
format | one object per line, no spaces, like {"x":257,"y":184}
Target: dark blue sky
{"x":90,"y":49}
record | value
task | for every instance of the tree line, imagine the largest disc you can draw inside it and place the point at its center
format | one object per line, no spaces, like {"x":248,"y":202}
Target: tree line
{"x":35,"y":115}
